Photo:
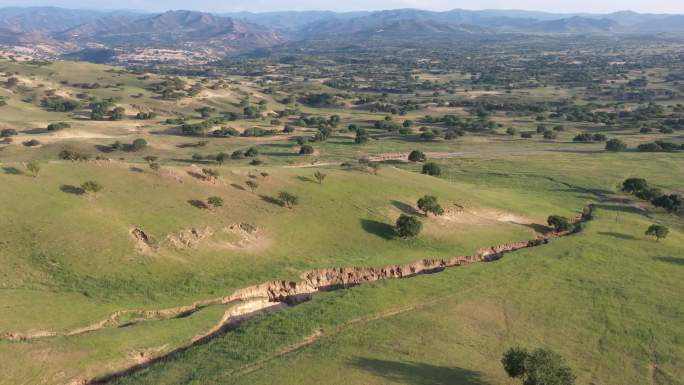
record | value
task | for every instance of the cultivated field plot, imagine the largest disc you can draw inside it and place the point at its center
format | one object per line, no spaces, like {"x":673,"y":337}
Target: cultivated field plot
{"x":193,"y":226}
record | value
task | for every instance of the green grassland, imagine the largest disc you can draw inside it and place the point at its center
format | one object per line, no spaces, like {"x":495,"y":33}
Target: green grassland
{"x":608,"y":299}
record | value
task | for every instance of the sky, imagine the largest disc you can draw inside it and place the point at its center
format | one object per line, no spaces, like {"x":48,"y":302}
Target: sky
{"x":594,"y":6}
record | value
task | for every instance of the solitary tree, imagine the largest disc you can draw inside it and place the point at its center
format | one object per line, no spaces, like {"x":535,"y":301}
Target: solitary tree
{"x":539,"y":367}
{"x":658,"y":232}
{"x":33,"y":167}
{"x":252,"y":184}
{"x":559,"y":223}
{"x":417,"y":156}
{"x":429,"y":204}
{"x":408,"y":226}
{"x":431,"y":168}
{"x":319,"y":176}
{"x":92,"y":187}
{"x":215,"y":201}
{"x":210,"y":173}
{"x":288,"y":199}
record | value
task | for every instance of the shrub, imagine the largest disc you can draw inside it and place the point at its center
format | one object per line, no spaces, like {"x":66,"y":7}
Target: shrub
{"x":408,"y":226}
{"x":657,"y":231}
{"x":57,"y":126}
{"x":429,"y":204}
{"x":417,"y":156}
{"x":306,"y":149}
{"x":432,"y":169}
{"x":615,"y":145}
{"x":559,"y":223}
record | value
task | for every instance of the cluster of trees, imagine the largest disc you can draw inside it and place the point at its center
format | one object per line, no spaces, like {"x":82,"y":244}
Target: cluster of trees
{"x":588,"y":138}
{"x":640,"y":188}
{"x":660,"y":146}
{"x":58,"y":104}
{"x":135,"y":146}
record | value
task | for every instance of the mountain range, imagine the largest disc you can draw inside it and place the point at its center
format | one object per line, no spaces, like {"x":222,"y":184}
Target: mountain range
{"x":72,"y":30}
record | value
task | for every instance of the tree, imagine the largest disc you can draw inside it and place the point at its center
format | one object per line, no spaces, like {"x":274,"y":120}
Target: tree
{"x":671,"y":203}
{"x":559,"y":223}
{"x":615,"y":145}
{"x":215,"y":201}
{"x":408,"y":226}
{"x":251,"y":152}
{"x":540,"y":367}
{"x":374,"y":167}
{"x":33,"y":167}
{"x":634,"y":185}
{"x":138,"y":145}
{"x":210,"y":173}
{"x":288,"y":199}
{"x":417,"y":156}
{"x":429,"y":204}
{"x":92,"y":186}
{"x":432,"y":169}
{"x":319,"y":176}
{"x":362,"y":136}
{"x":253,"y":185}
{"x":513,"y":361}
{"x":306,"y":149}
{"x":657,"y":231}
{"x":544,"y":367}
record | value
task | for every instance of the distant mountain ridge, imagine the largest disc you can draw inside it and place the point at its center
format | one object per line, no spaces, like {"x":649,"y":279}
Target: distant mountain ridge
{"x":72,"y":30}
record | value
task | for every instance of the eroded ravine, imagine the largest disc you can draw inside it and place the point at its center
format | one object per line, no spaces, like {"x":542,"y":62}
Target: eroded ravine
{"x":278,"y":295}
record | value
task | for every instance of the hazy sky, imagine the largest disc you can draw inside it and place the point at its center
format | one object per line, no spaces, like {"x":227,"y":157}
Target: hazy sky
{"x":655,"y":6}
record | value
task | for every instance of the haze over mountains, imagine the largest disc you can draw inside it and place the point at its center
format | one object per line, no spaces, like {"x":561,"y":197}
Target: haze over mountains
{"x":68,"y":30}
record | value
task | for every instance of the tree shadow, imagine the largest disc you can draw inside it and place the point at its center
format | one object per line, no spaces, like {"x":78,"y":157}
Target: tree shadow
{"x":621,"y":208}
{"x":12,"y":171}
{"x":541,"y":229}
{"x":306,"y":179}
{"x":104,"y":149}
{"x":618,"y":235}
{"x":672,"y":260}
{"x":382,"y":230}
{"x":136,"y":169}
{"x":198,"y":204}
{"x":237,"y":187}
{"x":406,"y":208}
{"x":417,"y":373}
{"x":272,"y":200}
{"x":70,"y":189}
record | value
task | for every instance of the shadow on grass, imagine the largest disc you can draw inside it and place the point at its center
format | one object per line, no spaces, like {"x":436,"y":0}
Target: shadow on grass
{"x":618,"y":235}
{"x":237,"y":187}
{"x":382,"y":230}
{"x":272,"y":200}
{"x":622,"y":209}
{"x":12,"y":171}
{"x":198,"y":204}
{"x":672,"y":260}
{"x":417,"y":373}
{"x":70,"y":189}
{"x":306,"y":179}
{"x":406,"y":208}
{"x":541,"y":229}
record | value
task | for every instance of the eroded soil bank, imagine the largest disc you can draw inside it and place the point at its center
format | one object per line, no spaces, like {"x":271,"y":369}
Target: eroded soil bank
{"x":279,"y":295}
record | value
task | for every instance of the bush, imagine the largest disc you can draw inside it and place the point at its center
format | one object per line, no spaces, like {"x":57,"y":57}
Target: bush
{"x":7,"y":132}
{"x":615,"y":145}
{"x":138,"y":145}
{"x":306,"y":149}
{"x":540,"y":367}
{"x":432,"y":169}
{"x":57,"y":126}
{"x":559,"y":223}
{"x":417,"y":156}
{"x":429,"y":204}
{"x":408,"y":226}
{"x":657,"y":231}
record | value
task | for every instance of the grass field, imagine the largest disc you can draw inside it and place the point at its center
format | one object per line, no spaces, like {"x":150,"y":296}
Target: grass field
{"x":608,"y":299}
